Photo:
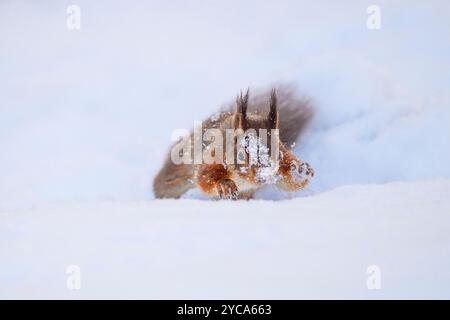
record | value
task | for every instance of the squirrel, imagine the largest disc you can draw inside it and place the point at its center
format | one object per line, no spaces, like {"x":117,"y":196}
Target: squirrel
{"x":286,"y":117}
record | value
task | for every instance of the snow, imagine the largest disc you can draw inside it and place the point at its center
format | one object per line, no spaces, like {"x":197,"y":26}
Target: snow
{"x":259,"y":157}
{"x":313,"y":247}
{"x":88,"y":115}
{"x":86,"y":119}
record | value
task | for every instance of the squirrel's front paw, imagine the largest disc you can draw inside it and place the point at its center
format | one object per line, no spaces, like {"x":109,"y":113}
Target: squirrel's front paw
{"x":227,"y":189}
{"x":302,"y":171}
{"x":307,"y":169}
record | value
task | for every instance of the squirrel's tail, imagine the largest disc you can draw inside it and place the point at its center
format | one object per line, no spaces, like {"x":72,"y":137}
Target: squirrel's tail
{"x":295,"y":114}
{"x":172,"y":181}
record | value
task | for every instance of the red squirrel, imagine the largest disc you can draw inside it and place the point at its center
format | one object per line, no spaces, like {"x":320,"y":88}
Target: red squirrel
{"x":278,"y":112}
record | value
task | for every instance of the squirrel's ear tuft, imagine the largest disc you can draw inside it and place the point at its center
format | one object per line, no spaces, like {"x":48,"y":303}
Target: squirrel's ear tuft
{"x":242,"y":103}
{"x":273,"y":113}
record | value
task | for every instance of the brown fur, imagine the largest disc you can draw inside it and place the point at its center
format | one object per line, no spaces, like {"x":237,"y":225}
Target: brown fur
{"x":267,"y":110}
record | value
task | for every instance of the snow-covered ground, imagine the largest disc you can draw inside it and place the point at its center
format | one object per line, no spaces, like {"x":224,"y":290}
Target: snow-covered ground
{"x":314,"y":247}
{"x":86,"y":118}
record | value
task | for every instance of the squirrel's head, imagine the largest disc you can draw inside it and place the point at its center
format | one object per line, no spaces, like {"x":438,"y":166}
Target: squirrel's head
{"x":256,"y":149}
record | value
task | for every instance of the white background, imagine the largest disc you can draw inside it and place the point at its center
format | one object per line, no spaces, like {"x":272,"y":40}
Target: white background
{"x":86,"y":118}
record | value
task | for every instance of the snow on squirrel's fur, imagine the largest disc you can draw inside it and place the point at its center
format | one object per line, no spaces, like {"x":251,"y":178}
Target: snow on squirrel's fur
{"x":266,"y":168}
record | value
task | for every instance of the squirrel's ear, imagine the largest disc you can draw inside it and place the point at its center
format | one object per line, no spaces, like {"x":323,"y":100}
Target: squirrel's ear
{"x":273,"y":113}
{"x":241,"y":110}
{"x":242,"y":104}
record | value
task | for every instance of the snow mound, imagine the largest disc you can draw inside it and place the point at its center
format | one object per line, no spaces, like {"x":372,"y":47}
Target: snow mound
{"x":312,"y":247}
